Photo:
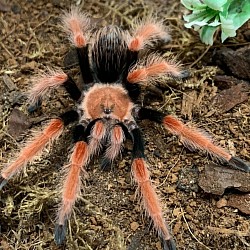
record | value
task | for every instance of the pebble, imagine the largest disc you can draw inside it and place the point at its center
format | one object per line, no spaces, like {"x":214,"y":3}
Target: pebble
{"x":221,"y":203}
{"x":134,"y":225}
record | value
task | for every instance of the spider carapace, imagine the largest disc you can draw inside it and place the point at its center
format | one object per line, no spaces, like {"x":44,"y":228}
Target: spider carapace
{"x":106,"y":113}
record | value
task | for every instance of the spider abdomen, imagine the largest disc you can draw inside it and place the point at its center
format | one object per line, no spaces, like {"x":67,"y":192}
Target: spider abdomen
{"x":111,"y":57}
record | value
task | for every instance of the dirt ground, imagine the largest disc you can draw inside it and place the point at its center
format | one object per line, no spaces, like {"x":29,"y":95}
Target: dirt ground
{"x":107,"y":215}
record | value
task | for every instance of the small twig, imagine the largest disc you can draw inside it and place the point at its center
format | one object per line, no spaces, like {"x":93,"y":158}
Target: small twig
{"x":8,"y":34}
{"x":170,"y":170}
{"x":14,"y":140}
{"x":184,"y":218}
{"x":9,"y":53}
{"x":200,"y":57}
{"x":228,"y":231}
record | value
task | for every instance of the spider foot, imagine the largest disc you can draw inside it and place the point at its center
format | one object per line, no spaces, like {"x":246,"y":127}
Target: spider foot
{"x":60,"y":234}
{"x":33,"y":107}
{"x":106,"y":164}
{"x":184,"y":74}
{"x":168,"y":244}
{"x":239,"y":164}
{"x":3,"y":182}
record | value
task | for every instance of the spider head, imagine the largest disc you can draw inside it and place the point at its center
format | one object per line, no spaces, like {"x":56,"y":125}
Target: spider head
{"x":107,"y":107}
{"x":108,"y":101}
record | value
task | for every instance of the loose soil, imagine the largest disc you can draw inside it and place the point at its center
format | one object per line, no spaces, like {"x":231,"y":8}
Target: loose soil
{"x":108,"y":215}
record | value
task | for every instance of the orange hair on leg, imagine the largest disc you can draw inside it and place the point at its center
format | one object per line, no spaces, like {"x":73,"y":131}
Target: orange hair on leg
{"x":194,"y":139}
{"x":96,"y":136}
{"x":71,"y":186}
{"x":76,"y":24}
{"x":116,"y":140}
{"x":145,"y":32}
{"x":46,"y":82}
{"x":149,"y":197}
{"x":154,"y":67}
{"x":50,"y":133}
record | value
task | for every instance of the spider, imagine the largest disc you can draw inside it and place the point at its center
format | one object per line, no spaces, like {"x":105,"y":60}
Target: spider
{"x":106,"y":112}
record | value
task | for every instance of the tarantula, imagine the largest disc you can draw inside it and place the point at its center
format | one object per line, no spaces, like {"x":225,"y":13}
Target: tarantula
{"x":106,"y":112}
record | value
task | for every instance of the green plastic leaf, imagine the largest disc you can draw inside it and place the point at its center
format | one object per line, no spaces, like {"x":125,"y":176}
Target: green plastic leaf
{"x":193,"y":4}
{"x":227,"y":28}
{"x":215,"y":23}
{"x":199,"y":18}
{"x":215,"y":4}
{"x":243,"y":14}
{"x":207,"y":34}
{"x":208,"y":15}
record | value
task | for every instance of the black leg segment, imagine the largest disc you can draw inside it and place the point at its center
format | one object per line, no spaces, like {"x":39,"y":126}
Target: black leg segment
{"x":69,"y":117}
{"x":72,"y":89}
{"x":150,"y":114}
{"x":138,"y":144}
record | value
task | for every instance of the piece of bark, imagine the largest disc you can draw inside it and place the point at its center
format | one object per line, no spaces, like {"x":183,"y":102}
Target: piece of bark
{"x":229,"y":98}
{"x":18,"y":123}
{"x":215,"y":179}
{"x":235,"y":63}
{"x":241,"y":202}
{"x":9,"y":83}
{"x":189,"y":102}
{"x":228,"y":231}
{"x":226,"y":82}
{"x":4,"y":7}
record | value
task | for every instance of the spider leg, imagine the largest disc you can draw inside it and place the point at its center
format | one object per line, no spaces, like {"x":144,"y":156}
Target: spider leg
{"x":51,"y":80}
{"x":97,"y":135}
{"x":149,"y":197}
{"x":87,"y":142}
{"x":154,"y":67}
{"x":193,"y":138}
{"x":146,"y":32}
{"x":116,"y":139}
{"x":72,"y":182}
{"x":49,"y":134}
{"x":77,"y":25}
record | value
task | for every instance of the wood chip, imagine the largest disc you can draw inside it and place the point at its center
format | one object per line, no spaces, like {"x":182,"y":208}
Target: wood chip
{"x":234,"y":62}
{"x":215,"y":179}
{"x":221,"y":203}
{"x":9,"y":83}
{"x":29,"y":66}
{"x":4,"y":7}
{"x":241,"y":202}
{"x":226,"y":82}
{"x":216,"y":230}
{"x":134,"y":225}
{"x":18,"y":123}
{"x":188,"y":103}
{"x":229,"y":98}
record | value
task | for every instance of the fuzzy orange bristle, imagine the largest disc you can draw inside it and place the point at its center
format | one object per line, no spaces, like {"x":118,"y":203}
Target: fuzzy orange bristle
{"x":33,"y":148}
{"x":149,"y":197}
{"x":44,"y":83}
{"x":71,"y":187}
{"x":194,"y":138}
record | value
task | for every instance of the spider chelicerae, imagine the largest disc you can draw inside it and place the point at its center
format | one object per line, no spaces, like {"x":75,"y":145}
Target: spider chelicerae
{"x":107,"y":112}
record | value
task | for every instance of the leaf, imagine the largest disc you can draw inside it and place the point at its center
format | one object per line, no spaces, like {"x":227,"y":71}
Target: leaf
{"x":193,"y":4}
{"x":227,"y":28}
{"x":216,"y":22}
{"x":242,"y":16}
{"x":207,"y":34}
{"x":199,"y":18}
{"x":208,"y":15}
{"x":215,"y":4}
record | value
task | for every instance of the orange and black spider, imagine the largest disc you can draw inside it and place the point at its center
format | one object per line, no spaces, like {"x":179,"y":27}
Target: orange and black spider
{"x":107,"y":113}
